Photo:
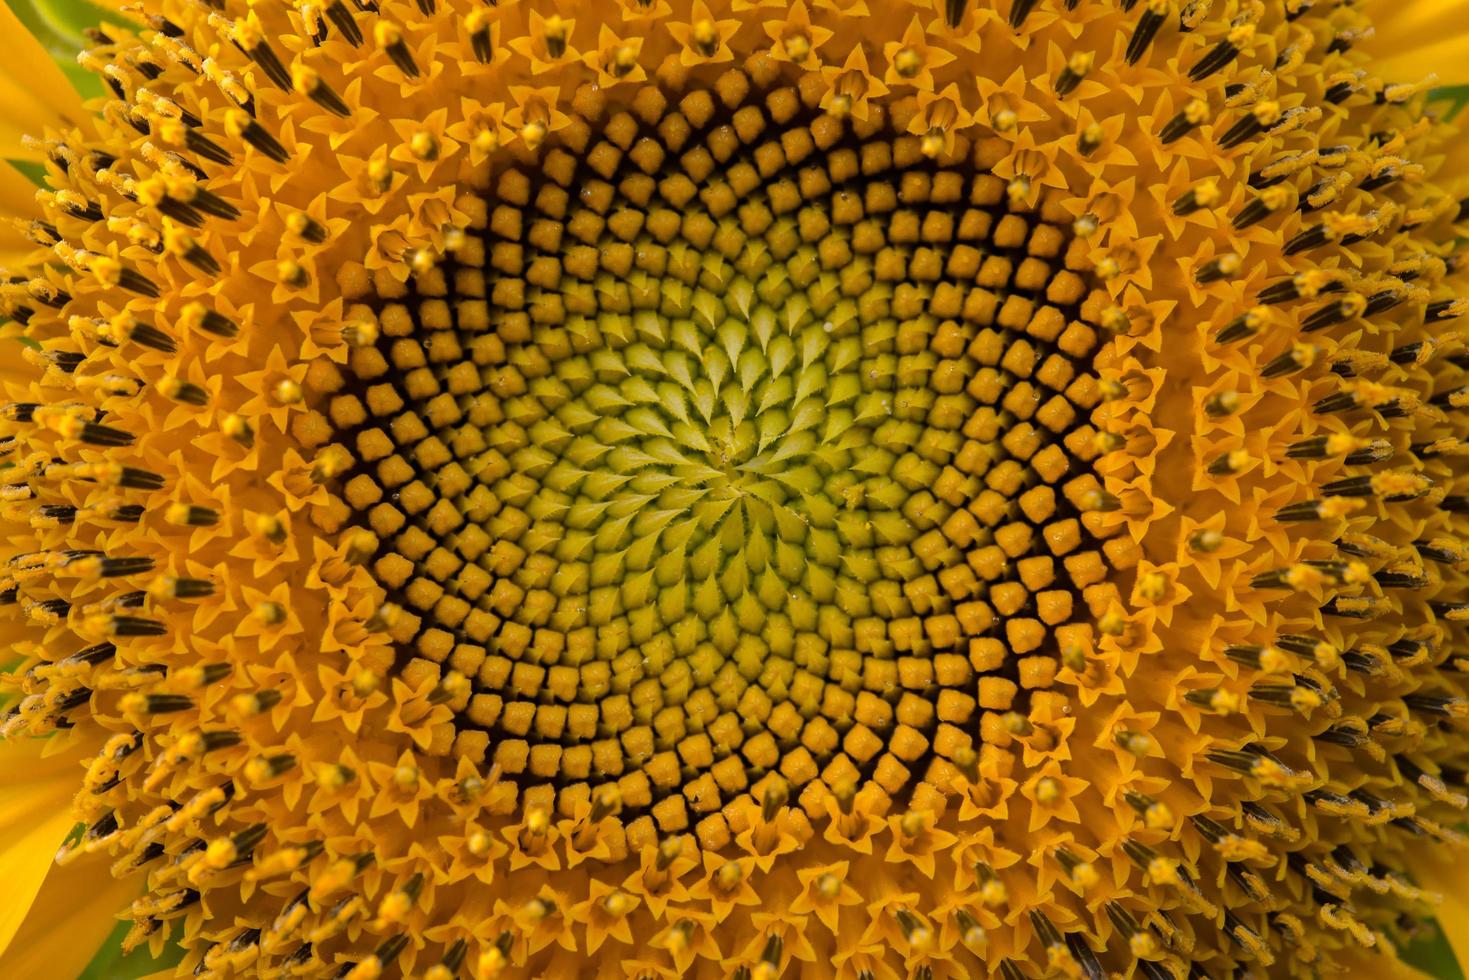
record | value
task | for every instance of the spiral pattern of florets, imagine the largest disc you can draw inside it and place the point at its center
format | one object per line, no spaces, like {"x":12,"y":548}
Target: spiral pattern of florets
{"x":692,"y":490}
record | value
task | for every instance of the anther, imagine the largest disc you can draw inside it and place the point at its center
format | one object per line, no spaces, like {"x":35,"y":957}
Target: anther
{"x":1448,"y":309}
{"x":1071,"y":76}
{"x":389,"y":37}
{"x":250,"y":39}
{"x":196,"y":316}
{"x":92,"y":565}
{"x":1222,"y":53}
{"x":1347,"y":307}
{"x":305,"y":227}
{"x":124,"y":326}
{"x":1266,"y":203}
{"x":190,"y":515}
{"x":270,"y":527}
{"x":1019,"y":10}
{"x":173,"y":587}
{"x":554,"y":35}
{"x":385,"y":617}
{"x":1247,"y":324}
{"x":1318,"y":510}
{"x":287,"y":392}
{"x":307,"y":81}
{"x":1230,"y":463}
{"x":1194,"y":113}
{"x":623,"y":59}
{"x":1098,"y":501}
{"x":449,"y":967}
{"x":1090,"y":139}
{"x":109,"y":272}
{"x":238,"y":428}
{"x":155,"y":704}
{"x":1018,"y":189}
{"x":1217,"y":700}
{"x":183,"y":391}
{"x":1251,"y":124}
{"x":1225,"y":266}
{"x":1282,"y":168}
{"x":477,"y":25}
{"x":1153,"y":16}
{"x":966,"y":760}
{"x":396,"y":905}
{"x":342,"y":20}
{"x":1390,"y":485}
{"x":908,"y":62}
{"x":206,"y":148}
{"x":1222,"y":404}
{"x":454,"y":686}
{"x":1302,"y":285}
{"x":359,"y":545}
{"x":379,"y":175}
{"x":915,"y":930}
{"x":254,"y":704}
{"x":269,"y":613}
{"x":704,"y":35}
{"x":239,"y":124}
{"x":1134,"y":743}
{"x":1298,"y":357}
{"x":262,"y":769}
{"x":424,"y":145}
{"x":291,"y":273}
{"x":360,"y":333}
{"x":75,"y":205}
{"x":669,"y":850}
{"x":1205,"y":194}
{"x":1324,"y":447}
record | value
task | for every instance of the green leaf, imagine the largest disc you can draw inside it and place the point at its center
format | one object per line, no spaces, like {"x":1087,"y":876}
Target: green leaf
{"x":34,"y":172}
{"x":111,"y":964}
{"x":58,"y":25}
{"x":1456,"y":95}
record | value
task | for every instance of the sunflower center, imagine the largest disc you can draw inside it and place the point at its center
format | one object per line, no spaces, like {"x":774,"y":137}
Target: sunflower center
{"x":735,"y":438}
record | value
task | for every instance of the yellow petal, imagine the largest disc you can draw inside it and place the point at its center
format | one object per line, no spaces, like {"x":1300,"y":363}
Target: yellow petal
{"x":1435,"y":872}
{"x":35,"y":817}
{"x":1379,"y":965}
{"x":1415,"y":38}
{"x":17,"y":200}
{"x":33,"y":89}
{"x":72,"y":916}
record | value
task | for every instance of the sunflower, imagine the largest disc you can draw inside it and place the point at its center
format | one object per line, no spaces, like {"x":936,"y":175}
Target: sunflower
{"x":736,"y":488}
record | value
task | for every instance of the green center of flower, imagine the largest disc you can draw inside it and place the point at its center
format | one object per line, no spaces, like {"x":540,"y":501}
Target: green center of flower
{"x":735,"y":439}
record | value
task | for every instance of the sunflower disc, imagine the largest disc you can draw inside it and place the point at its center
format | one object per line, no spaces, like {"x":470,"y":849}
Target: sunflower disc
{"x":741,"y":491}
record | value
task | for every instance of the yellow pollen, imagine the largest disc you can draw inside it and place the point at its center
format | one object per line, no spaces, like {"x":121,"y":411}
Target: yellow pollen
{"x":424,"y":145}
{"x":908,"y":63}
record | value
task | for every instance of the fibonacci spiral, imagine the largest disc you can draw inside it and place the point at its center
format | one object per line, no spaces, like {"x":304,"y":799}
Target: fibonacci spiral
{"x":660,"y":489}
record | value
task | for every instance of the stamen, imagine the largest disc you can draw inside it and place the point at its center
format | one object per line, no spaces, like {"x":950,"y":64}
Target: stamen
{"x":308,"y":82}
{"x":389,"y":37}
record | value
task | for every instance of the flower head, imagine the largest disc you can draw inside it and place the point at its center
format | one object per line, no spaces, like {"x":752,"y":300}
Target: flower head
{"x":709,"y":488}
